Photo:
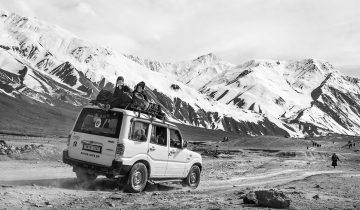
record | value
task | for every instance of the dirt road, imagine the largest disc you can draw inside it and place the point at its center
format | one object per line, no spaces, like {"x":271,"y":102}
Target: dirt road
{"x":36,"y":183}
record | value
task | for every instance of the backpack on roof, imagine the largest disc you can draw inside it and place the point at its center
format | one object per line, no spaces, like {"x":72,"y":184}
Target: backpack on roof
{"x":104,"y":96}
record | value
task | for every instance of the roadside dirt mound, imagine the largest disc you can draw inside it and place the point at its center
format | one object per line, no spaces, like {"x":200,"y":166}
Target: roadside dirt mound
{"x":306,"y":155}
{"x":23,"y":151}
{"x":6,"y":149}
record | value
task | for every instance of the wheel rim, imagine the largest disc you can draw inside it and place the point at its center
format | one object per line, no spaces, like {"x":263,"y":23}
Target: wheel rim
{"x":193,"y":178}
{"x":137,"y":179}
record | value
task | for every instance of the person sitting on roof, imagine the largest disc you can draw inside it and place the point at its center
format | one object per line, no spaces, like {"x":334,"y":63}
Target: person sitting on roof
{"x":139,"y":99}
{"x":120,"y":87}
{"x":121,"y":96}
{"x":139,"y":90}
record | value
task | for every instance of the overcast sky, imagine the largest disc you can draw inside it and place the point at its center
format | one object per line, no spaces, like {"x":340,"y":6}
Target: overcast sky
{"x":235,"y":30}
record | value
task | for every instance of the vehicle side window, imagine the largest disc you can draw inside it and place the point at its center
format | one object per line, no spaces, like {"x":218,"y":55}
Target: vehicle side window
{"x":175,"y":138}
{"x":139,"y":131}
{"x":158,"y":135}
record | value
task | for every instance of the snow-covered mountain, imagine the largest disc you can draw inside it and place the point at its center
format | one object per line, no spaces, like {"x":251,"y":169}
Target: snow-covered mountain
{"x":195,"y":73}
{"x":309,"y":93}
{"x":47,"y":64}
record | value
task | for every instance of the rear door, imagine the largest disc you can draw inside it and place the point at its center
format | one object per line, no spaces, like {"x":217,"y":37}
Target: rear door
{"x":95,"y":136}
{"x":177,"y":156}
{"x":158,"y":150}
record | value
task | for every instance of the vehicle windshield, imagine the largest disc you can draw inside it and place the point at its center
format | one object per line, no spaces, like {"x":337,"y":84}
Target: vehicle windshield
{"x":99,"y":122}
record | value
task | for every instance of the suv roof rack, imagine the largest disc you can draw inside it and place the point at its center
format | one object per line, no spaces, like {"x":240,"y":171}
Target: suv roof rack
{"x":153,"y":109}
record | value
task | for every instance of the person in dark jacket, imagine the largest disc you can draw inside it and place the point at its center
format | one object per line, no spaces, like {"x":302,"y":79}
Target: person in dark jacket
{"x":334,"y":159}
{"x":120,"y":87}
{"x":121,"y":96}
{"x":139,"y":90}
{"x":139,"y":99}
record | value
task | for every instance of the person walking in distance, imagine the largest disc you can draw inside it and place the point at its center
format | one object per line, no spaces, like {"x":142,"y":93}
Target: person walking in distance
{"x":334,"y":159}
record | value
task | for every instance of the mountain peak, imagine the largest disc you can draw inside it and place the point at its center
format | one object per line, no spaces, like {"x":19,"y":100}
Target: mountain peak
{"x":210,"y":57}
{"x":260,"y":62}
{"x":313,"y":65}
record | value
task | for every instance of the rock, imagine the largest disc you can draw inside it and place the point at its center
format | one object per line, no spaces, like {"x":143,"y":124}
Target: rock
{"x":272,"y":199}
{"x":242,"y":196}
{"x":250,"y":198}
{"x":2,"y":151}
{"x":2,"y":143}
{"x":317,"y":186}
{"x":110,"y":204}
{"x":240,"y":193}
{"x":316,"y":197}
{"x":116,"y":197}
{"x":38,"y":205}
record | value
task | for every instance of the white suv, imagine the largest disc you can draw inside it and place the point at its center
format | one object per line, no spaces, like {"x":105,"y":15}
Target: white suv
{"x":130,"y":145}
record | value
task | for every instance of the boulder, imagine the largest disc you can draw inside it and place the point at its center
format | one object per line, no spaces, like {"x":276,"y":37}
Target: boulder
{"x":272,"y":199}
{"x":2,"y":151}
{"x":250,"y":198}
{"x":316,"y":197}
{"x":2,"y":143}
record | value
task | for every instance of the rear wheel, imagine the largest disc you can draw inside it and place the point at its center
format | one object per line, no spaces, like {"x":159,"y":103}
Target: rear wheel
{"x":84,"y":176}
{"x":193,"y":178}
{"x":137,"y":178}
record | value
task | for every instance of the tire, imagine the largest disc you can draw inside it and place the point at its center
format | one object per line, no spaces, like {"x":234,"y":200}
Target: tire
{"x":137,"y":178}
{"x":83,"y":176}
{"x":193,"y":178}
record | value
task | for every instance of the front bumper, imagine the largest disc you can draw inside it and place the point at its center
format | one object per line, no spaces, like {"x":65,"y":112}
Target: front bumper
{"x":116,"y":168}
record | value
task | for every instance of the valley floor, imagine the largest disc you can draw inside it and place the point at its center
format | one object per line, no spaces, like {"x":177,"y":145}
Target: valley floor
{"x":39,"y":180}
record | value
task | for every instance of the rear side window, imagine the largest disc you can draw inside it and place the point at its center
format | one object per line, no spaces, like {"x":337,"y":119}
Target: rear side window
{"x":99,"y":122}
{"x":158,"y":135}
{"x":175,"y":138}
{"x":139,"y":131}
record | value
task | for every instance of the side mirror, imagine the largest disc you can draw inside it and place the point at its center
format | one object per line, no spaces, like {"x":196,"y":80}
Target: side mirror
{"x":185,"y":144}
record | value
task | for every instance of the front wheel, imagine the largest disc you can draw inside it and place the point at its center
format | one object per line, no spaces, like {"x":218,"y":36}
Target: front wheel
{"x":137,"y":178}
{"x":193,"y":178}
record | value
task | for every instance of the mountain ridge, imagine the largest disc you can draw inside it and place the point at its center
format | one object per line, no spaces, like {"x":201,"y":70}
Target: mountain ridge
{"x":259,"y":97}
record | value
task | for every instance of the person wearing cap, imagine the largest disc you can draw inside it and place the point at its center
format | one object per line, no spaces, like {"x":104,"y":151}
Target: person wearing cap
{"x":139,"y":99}
{"x":120,"y":87}
{"x":139,"y":90}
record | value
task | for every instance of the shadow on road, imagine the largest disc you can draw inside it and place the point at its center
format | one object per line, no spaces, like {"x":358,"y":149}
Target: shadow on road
{"x":100,"y":184}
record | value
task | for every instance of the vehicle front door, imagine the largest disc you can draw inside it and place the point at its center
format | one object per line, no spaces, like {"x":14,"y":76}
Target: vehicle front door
{"x":177,"y":155}
{"x":158,"y":151}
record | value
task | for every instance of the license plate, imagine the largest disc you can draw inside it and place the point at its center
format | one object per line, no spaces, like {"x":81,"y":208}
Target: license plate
{"x":92,"y":148}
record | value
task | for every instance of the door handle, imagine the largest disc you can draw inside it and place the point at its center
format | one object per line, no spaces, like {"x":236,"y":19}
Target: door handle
{"x":152,"y":148}
{"x":171,"y":152}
